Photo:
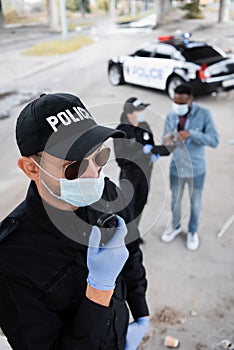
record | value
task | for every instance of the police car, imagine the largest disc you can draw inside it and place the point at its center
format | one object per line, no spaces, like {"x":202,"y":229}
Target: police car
{"x":171,"y":60}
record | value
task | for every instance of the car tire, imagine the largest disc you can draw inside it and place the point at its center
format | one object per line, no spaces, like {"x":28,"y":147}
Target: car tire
{"x":173,"y":82}
{"x":116,"y":75}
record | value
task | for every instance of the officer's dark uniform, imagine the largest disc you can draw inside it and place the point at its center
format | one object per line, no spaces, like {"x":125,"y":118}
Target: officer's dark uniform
{"x":134,"y":164}
{"x":43,"y":280}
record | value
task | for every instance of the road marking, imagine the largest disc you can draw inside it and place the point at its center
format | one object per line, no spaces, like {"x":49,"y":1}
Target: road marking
{"x":226,"y":226}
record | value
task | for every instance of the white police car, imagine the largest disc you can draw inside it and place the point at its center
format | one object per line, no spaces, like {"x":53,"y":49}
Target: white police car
{"x":171,"y":60}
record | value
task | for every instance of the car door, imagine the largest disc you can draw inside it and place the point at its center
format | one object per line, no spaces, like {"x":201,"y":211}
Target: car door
{"x":151,"y":66}
{"x":164,"y":59}
{"x":137,"y":67}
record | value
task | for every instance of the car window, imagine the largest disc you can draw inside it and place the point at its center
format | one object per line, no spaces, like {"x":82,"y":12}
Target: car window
{"x":164,"y":51}
{"x":202,"y":54}
{"x":146,"y":51}
{"x":158,"y":54}
{"x":142,"y":53}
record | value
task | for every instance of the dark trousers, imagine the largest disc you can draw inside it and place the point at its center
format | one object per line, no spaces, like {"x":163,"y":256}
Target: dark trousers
{"x":135,"y":185}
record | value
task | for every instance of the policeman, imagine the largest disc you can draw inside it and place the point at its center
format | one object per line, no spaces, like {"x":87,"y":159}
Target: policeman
{"x":60,"y":287}
{"x":134,"y":156}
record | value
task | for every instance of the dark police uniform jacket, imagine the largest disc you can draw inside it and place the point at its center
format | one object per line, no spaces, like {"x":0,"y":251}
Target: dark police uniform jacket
{"x":128,"y":151}
{"x":43,"y":272}
{"x":134,"y":164}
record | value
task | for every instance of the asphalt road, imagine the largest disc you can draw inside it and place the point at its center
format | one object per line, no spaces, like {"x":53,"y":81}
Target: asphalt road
{"x":197,"y":288}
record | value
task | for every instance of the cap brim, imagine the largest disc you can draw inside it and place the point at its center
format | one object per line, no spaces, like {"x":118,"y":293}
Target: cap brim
{"x":76,"y":148}
{"x":131,"y":108}
{"x":142,"y":106}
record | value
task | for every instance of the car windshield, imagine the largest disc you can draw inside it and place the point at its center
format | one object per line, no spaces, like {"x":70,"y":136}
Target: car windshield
{"x":202,"y":54}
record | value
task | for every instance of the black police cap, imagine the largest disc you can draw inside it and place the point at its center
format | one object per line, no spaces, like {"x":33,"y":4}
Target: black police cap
{"x":61,"y":125}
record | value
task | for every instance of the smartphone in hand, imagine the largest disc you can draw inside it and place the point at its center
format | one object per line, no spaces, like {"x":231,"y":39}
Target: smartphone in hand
{"x":163,"y":150}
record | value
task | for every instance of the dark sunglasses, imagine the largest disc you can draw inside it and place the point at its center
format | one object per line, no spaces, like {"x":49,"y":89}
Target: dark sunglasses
{"x":77,"y":168}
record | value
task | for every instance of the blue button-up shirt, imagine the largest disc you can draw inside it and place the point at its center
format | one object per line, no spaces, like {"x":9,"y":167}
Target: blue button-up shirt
{"x":189,"y":157}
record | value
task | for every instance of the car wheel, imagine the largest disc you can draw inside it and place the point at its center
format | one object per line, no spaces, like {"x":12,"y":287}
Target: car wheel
{"x":116,"y":75}
{"x":172,"y":84}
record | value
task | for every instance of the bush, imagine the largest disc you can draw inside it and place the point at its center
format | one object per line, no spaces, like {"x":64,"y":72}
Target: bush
{"x":72,"y":5}
{"x":102,"y":5}
{"x":193,"y":9}
{"x":75,"y":5}
{"x":11,"y":15}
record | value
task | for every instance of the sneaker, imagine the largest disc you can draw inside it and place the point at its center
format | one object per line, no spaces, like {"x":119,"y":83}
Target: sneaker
{"x":170,"y":235}
{"x":192,"y":241}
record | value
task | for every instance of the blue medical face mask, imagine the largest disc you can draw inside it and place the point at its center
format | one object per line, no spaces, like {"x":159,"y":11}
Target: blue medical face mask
{"x":140,"y":117}
{"x":79,"y":192}
{"x":180,"y":109}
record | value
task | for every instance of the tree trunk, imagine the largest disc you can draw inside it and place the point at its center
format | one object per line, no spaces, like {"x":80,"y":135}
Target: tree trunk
{"x":82,"y":8}
{"x":224,"y":11}
{"x":63,"y":19}
{"x":133,"y":7}
{"x":112,"y":8}
{"x":146,"y":5}
{"x":53,"y":15}
{"x":1,"y":16}
{"x":162,"y":7}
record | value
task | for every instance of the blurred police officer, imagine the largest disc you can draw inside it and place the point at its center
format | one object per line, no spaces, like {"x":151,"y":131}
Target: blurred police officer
{"x":60,"y":287}
{"x":133,"y":154}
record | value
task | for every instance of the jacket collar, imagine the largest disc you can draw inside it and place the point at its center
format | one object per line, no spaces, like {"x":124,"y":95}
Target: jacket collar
{"x":193,"y":109}
{"x":58,"y":222}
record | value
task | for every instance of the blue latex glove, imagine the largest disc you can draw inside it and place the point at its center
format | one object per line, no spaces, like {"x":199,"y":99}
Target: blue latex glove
{"x":154,"y":158}
{"x":106,"y":262}
{"x":136,"y":332}
{"x":147,"y":148}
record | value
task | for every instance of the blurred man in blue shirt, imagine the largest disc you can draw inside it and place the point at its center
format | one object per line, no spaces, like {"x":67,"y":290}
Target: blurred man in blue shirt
{"x":192,"y":128}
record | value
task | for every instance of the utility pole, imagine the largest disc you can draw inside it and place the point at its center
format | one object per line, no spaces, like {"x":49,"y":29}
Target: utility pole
{"x":224,"y":11}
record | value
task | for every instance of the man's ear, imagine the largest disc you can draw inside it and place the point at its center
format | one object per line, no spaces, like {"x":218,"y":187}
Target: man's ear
{"x":30,"y":169}
{"x":191,"y":98}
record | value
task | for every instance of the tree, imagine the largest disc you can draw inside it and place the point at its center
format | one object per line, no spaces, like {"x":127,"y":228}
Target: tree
{"x":224,"y":11}
{"x":1,"y":16}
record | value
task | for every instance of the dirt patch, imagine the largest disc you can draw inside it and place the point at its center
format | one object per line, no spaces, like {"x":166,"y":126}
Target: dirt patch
{"x":200,"y":346}
{"x":168,"y":316}
{"x":10,"y":99}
